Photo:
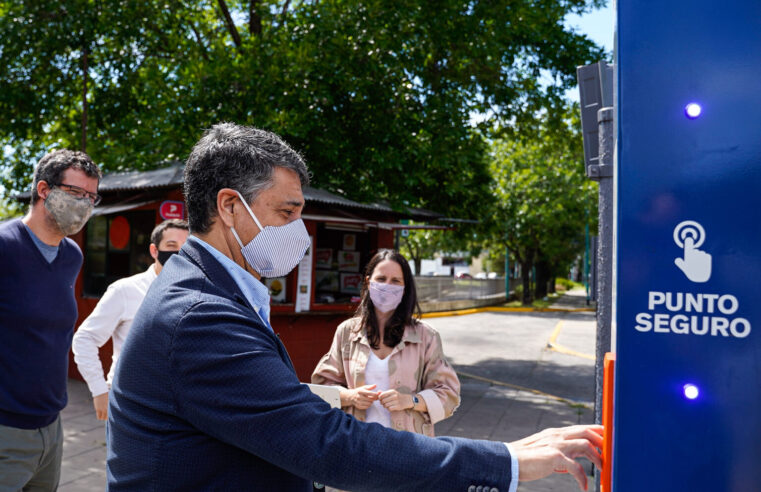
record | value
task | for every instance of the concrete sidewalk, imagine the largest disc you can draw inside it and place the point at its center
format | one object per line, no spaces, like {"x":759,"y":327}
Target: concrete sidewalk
{"x":573,"y":299}
{"x":513,"y":385}
{"x":84,"y":447}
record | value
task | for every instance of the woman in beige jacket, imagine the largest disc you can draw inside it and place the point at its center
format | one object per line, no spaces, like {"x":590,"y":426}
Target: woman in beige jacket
{"x":390,"y":365}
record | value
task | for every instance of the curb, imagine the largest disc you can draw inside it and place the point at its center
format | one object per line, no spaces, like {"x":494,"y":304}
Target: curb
{"x":556,"y":347}
{"x":501,"y":309}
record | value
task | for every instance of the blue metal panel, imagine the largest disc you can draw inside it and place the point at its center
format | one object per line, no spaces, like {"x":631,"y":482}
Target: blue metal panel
{"x":673,"y":169}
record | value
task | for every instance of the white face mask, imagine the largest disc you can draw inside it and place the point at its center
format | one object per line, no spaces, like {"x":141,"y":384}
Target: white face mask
{"x":276,"y":250}
{"x":386,"y":297}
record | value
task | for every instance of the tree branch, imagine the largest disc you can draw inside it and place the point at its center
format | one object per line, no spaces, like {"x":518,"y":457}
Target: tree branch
{"x":85,"y":52}
{"x":284,"y":12}
{"x":201,"y":46}
{"x":229,"y":22}
{"x":254,"y":19}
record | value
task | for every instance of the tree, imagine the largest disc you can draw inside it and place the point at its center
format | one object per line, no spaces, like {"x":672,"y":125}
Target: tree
{"x":377,"y":95}
{"x":9,"y":210}
{"x":421,"y":244}
{"x":544,"y":199}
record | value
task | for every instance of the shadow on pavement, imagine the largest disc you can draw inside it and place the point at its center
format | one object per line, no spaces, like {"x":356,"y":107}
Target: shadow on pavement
{"x":570,"y":381}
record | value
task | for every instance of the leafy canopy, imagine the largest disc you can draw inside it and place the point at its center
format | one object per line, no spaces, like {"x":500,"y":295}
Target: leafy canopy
{"x":544,"y":200}
{"x":378,"y":95}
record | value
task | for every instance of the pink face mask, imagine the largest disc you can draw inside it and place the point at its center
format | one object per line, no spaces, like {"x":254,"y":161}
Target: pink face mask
{"x":386,"y":297}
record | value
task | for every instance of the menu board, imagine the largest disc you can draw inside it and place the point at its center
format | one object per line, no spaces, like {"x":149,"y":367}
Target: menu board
{"x":304,"y":280}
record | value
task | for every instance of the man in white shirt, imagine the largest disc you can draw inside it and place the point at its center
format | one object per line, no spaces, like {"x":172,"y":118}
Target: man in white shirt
{"x":112,"y":317}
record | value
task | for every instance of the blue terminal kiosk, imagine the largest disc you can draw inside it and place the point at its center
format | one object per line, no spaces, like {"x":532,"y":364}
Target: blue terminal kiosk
{"x":687,"y":397}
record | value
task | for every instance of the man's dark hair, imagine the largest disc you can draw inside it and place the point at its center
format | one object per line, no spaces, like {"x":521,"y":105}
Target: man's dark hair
{"x":158,"y":232}
{"x":51,"y":167}
{"x":232,"y":156}
{"x":406,"y":313}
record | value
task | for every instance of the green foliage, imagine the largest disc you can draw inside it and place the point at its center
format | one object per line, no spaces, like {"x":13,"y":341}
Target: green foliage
{"x":377,"y":95}
{"x":10,"y":209}
{"x":537,"y":303}
{"x":544,"y":198}
{"x":421,"y":244}
{"x":425,"y":243}
{"x":495,"y":261}
{"x":518,"y":291}
{"x":567,"y":284}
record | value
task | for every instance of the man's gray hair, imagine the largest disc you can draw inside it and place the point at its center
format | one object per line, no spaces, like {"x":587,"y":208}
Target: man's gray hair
{"x":233,"y":156}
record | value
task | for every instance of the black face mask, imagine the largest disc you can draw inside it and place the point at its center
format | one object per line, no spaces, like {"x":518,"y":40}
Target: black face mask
{"x":165,"y":255}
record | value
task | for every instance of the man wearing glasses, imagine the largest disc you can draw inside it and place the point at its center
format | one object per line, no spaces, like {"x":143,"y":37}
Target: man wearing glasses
{"x":39,"y":266}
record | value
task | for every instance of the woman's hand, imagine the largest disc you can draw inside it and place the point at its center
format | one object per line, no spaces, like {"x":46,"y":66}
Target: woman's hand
{"x":393,"y":401}
{"x":360,"y":398}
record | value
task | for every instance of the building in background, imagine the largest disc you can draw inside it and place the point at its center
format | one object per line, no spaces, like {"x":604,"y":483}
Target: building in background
{"x":307,"y":304}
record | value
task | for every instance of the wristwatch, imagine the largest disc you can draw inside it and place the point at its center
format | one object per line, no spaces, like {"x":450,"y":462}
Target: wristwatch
{"x":415,"y":401}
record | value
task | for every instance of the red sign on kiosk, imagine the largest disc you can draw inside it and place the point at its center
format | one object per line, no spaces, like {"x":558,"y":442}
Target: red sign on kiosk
{"x":171,"y":209}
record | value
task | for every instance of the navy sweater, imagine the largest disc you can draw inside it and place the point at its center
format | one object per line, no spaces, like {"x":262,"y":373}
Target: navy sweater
{"x":37,"y":316}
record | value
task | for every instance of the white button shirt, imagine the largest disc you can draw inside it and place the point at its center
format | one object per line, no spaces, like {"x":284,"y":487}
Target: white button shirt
{"x":111,"y":318}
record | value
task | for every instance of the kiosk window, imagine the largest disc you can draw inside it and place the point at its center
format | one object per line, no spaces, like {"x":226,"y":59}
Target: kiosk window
{"x":116,"y":247}
{"x":279,"y":293}
{"x":340,"y":257}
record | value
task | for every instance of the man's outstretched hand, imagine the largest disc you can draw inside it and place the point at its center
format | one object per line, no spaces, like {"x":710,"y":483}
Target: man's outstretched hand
{"x":554,"y":451}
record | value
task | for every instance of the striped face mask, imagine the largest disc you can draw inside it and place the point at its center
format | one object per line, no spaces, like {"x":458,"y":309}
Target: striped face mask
{"x":276,"y":250}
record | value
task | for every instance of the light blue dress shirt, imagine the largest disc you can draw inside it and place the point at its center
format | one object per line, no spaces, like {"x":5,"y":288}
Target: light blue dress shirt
{"x":257,"y":294}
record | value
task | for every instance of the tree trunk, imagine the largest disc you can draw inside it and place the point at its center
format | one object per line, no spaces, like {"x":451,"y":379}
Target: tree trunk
{"x":85,"y":52}
{"x":526,"y":280}
{"x":551,"y":284}
{"x":542,"y":279}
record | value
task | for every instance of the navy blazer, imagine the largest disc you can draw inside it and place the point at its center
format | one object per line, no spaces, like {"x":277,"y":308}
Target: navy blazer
{"x":205,"y":398}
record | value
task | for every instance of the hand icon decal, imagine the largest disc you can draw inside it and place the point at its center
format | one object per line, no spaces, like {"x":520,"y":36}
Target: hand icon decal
{"x":696,"y":264}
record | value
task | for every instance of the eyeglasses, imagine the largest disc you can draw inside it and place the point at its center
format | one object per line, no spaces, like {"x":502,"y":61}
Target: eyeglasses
{"x":80,"y":193}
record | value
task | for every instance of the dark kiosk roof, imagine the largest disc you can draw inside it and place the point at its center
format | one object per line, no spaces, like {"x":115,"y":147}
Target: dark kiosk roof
{"x":172,"y":176}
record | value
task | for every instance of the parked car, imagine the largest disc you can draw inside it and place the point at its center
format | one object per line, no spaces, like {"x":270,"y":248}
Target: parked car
{"x":481,"y":275}
{"x":463,"y":275}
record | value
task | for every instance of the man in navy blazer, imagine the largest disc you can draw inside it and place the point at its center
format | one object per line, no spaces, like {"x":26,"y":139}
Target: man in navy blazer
{"x":205,"y":396}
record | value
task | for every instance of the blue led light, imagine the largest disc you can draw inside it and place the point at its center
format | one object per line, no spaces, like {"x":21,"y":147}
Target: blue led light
{"x":693,"y":110}
{"x":690,"y":391}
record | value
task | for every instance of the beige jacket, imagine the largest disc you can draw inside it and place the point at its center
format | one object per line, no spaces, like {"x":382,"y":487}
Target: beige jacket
{"x":416,"y":365}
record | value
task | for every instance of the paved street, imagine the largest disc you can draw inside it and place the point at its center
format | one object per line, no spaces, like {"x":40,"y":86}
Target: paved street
{"x":495,"y":353}
{"x":512,"y":348}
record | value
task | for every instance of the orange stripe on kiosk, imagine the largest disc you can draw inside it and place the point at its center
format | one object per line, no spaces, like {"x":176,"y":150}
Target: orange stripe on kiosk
{"x":607,"y":422}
